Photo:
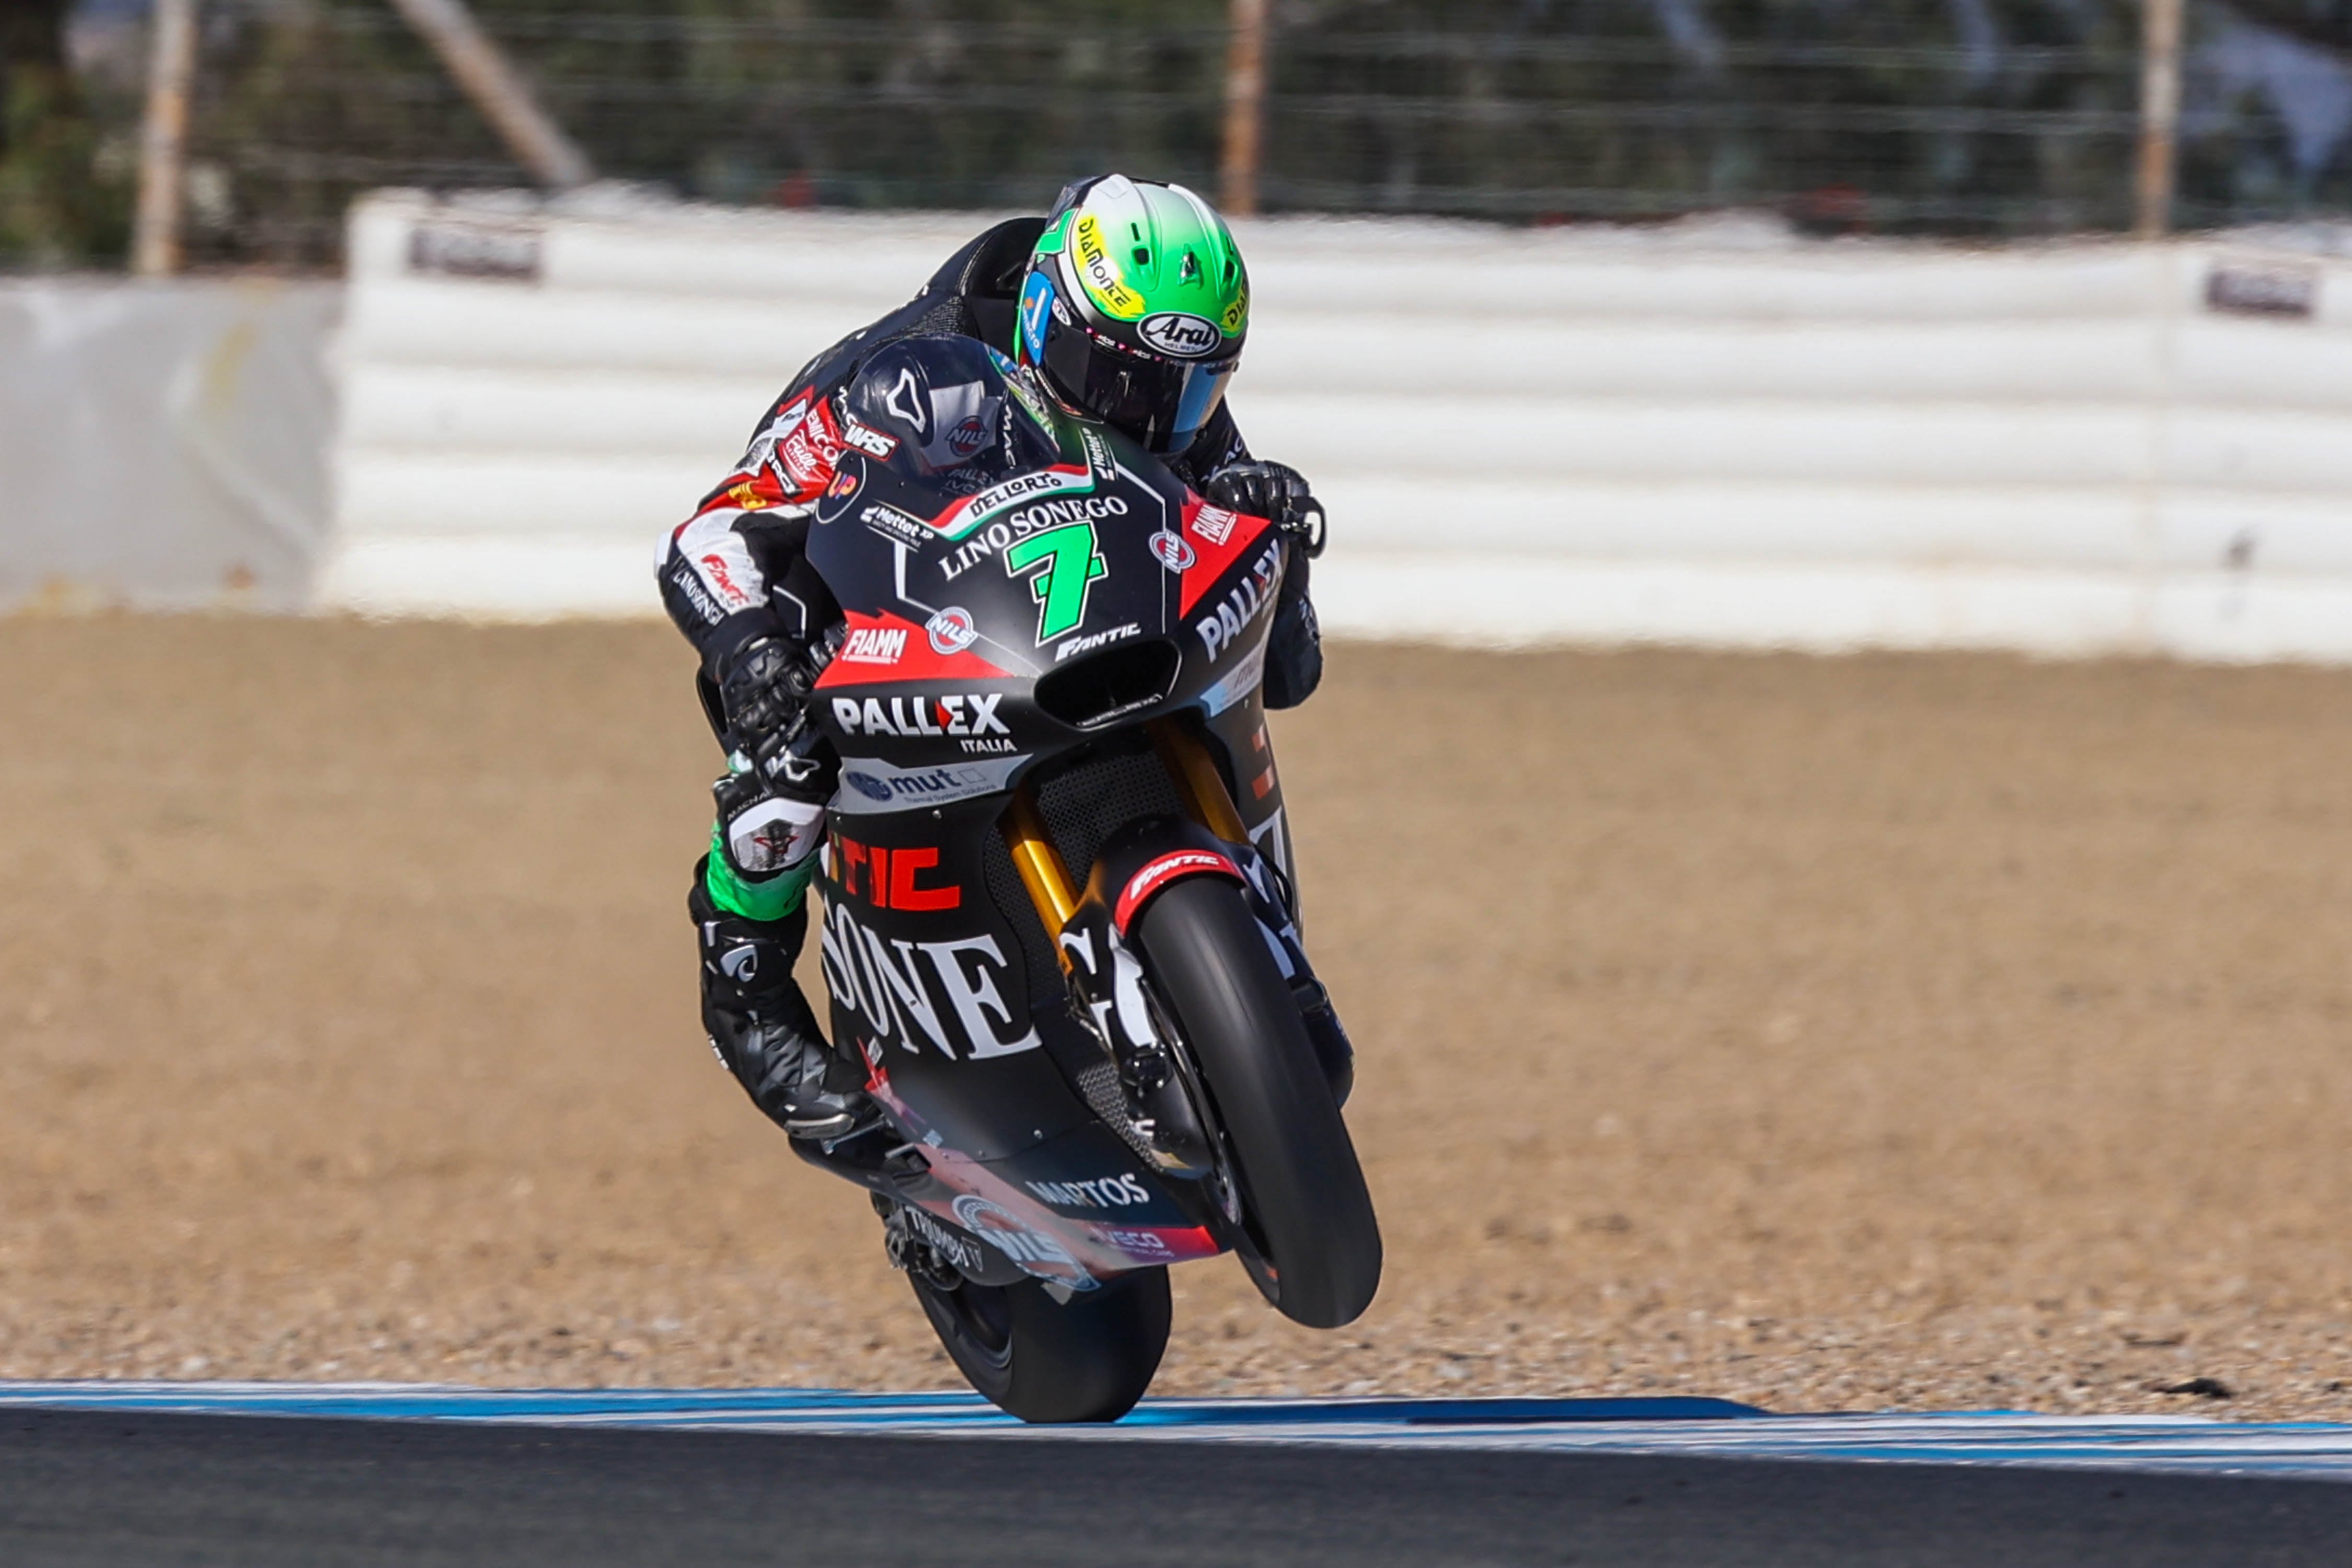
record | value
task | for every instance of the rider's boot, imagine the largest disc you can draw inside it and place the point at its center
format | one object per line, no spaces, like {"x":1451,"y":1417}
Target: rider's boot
{"x":762,"y":1027}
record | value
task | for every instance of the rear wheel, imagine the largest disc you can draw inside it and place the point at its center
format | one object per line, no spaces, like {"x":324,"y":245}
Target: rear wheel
{"x":1089,"y":1359}
{"x":1308,"y":1212}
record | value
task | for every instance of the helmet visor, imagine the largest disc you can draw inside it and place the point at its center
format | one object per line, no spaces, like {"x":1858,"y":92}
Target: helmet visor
{"x":1162,"y":403}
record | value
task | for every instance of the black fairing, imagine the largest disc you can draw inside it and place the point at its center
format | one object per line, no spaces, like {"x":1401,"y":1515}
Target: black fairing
{"x":1021,"y":632}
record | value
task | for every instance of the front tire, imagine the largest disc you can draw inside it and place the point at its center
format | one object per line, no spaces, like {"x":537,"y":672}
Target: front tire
{"x":1309,"y":1213}
{"x":1045,"y":1361}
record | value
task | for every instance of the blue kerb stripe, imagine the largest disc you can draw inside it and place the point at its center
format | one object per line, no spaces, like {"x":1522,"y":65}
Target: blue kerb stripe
{"x":1711,"y":1427}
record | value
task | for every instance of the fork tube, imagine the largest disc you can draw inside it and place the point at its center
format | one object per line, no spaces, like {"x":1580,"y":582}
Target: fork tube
{"x":1197,"y":777}
{"x":1041,"y":868}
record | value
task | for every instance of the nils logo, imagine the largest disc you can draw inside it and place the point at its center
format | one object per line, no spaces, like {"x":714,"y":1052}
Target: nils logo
{"x":952,"y":631}
{"x":1171,"y":551}
{"x":968,"y":438}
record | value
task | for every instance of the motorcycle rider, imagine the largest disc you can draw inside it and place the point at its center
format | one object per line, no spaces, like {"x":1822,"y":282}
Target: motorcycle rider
{"x":1128,"y":303}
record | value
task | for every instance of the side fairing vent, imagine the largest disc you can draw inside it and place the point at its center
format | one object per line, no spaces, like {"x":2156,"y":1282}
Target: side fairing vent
{"x":1098,"y":688}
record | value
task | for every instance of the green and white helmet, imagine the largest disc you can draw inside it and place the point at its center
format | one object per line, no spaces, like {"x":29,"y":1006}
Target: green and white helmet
{"x":1135,"y":307}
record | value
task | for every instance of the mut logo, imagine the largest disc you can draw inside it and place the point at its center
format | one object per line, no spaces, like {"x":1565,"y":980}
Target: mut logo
{"x":962,"y":714}
{"x":875,"y":645}
{"x":1245,"y":602}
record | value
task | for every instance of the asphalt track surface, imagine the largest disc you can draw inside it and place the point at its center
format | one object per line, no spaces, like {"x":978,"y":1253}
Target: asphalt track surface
{"x":118,"y":1488}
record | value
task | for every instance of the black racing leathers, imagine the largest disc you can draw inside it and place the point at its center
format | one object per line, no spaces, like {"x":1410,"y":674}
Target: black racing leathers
{"x":735,"y":578}
{"x":733,"y":573}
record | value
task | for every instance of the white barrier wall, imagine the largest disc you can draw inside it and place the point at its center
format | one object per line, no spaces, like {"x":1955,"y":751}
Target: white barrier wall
{"x":1525,"y":435}
{"x":163,"y":444}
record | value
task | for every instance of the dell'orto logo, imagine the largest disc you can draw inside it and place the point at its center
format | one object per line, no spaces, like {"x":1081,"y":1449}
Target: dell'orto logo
{"x":1184,"y":336}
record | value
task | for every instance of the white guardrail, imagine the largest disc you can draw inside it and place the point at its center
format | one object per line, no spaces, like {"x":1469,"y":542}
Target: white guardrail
{"x":1536,"y":435}
{"x":163,"y":444}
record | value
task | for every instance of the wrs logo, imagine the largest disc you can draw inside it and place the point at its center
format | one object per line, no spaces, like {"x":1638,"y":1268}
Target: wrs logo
{"x":875,"y":645}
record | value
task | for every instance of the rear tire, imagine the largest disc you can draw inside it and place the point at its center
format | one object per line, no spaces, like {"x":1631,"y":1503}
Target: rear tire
{"x":1042,"y":1361}
{"x":1309,"y":1213}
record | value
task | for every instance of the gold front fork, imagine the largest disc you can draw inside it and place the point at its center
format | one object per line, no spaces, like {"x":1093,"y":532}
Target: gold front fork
{"x":1196,"y":775}
{"x":1043,"y":870}
{"x":1047,"y":876}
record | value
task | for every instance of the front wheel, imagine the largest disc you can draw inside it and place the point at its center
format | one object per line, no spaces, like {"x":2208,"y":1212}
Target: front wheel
{"x":1308,"y":1212}
{"x":1089,"y":1359}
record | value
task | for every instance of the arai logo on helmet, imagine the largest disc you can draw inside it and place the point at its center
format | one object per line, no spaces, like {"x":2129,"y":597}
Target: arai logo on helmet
{"x":1182,"y":335}
{"x":951,"y":631}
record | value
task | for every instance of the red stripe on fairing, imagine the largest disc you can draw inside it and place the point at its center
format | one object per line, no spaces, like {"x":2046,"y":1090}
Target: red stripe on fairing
{"x":919,"y":661}
{"x":1212,"y":559}
{"x":1181,"y":1243}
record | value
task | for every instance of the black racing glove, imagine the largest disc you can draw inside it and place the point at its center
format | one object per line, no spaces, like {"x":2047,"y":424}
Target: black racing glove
{"x":764,"y":694}
{"x":1275,"y":491}
{"x":763,"y":688}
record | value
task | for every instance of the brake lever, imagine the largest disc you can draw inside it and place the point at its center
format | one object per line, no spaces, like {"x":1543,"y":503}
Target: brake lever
{"x":1312,"y":534}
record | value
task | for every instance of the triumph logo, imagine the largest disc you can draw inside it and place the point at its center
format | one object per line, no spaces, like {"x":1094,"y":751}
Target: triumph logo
{"x":1181,"y":335}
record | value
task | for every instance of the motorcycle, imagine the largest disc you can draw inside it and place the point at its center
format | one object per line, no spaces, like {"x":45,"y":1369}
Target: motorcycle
{"x":1058,"y":927}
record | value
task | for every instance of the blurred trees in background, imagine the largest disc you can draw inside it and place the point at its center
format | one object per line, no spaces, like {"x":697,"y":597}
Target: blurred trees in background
{"x":1975,"y":117}
{"x":60,"y":201}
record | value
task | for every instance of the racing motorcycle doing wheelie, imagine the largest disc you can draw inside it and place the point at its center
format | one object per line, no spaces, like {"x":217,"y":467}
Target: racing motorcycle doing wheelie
{"x":1058,"y":928}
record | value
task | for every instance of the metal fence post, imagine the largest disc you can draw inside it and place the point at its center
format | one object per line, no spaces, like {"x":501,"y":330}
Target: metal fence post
{"x":164,"y":139}
{"x":2160,"y":117}
{"x":1244,"y":107}
{"x":481,"y":68}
